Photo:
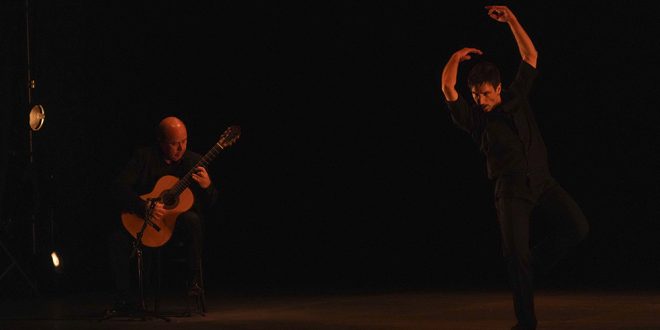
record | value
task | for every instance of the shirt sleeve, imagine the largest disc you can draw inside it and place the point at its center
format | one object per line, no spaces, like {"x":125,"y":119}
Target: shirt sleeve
{"x":206,"y":198}
{"x":523,"y":81}
{"x":123,"y":186}
{"x":210,"y":196}
{"x":461,"y":114}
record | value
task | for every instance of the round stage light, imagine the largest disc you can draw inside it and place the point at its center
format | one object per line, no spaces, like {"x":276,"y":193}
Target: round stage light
{"x":37,"y":117}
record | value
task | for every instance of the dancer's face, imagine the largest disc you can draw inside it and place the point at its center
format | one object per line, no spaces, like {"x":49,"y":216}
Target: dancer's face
{"x":487,"y":96}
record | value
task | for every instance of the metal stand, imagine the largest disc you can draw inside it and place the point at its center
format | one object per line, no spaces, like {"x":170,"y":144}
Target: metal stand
{"x":15,"y":264}
{"x":142,"y":312}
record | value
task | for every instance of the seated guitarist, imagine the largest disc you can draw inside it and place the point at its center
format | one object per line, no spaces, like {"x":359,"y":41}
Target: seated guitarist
{"x":169,"y":157}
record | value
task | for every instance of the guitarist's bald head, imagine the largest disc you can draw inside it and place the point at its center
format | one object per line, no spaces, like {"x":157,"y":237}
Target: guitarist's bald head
{"x":170,"y":126}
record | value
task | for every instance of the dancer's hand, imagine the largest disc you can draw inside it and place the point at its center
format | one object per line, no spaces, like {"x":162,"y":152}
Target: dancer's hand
{"x":466,"y":53}
{"x":500,"y":13}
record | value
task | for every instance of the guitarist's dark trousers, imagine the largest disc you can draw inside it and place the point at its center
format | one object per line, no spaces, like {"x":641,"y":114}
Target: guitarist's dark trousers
{"x":516,"y":197}
{"x":189,"y":228}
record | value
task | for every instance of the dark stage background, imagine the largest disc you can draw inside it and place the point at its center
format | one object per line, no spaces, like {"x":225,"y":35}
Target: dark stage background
{"x":349,"y":173}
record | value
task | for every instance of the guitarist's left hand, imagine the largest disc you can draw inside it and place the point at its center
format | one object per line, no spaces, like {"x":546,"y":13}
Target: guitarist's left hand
{"x":201,"y":176}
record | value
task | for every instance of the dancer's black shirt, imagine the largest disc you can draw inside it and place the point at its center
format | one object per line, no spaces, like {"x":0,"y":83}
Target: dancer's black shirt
{"x":507,"y":135}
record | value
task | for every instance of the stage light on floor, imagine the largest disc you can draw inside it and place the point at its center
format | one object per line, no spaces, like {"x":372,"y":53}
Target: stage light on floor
{"x":56,"y":261}
{"x":52,"y":276}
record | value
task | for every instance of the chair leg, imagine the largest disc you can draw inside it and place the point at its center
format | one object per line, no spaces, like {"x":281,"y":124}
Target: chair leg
{"x":198,"y":300}
{"x":202,"y":302}
{"x":202,"y":297}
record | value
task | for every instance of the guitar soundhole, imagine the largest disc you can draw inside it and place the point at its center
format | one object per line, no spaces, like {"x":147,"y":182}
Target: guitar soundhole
{"x":169,"y":199}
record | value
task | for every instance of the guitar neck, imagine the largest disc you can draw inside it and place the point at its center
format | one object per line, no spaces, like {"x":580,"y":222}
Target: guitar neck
{"x":204,"y":162}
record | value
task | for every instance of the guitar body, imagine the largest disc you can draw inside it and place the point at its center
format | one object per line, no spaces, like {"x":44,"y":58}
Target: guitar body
{"x":174,"y":204}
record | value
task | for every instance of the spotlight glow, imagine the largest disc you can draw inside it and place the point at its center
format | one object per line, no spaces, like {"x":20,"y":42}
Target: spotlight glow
{"x":56,"y":259}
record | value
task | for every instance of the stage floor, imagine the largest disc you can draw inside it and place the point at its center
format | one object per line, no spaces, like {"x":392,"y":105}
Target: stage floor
{"x":437,"y":309}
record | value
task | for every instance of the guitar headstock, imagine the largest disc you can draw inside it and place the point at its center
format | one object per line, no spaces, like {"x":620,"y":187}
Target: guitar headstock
{"x":229,"y":136}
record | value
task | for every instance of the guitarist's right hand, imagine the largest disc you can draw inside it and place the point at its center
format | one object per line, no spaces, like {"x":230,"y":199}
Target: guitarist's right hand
{"x":157,"y":212}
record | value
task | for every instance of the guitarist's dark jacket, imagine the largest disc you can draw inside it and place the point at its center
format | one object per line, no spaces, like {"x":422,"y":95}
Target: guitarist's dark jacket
{"x":143,"y":170}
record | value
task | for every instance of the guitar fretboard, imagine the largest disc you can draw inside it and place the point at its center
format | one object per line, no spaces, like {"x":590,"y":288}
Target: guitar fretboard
{"x":205,"y":161}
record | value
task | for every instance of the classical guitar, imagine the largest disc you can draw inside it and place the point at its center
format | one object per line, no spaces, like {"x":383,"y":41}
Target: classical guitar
{"x":176,"y":197}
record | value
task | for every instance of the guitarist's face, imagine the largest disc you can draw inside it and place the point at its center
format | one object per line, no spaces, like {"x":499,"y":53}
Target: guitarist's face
{"x":174,"y":144}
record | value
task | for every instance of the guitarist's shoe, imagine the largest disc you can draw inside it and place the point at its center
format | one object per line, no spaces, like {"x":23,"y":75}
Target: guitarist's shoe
{"x":122,"y":307}
{"x":523,"y":327}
